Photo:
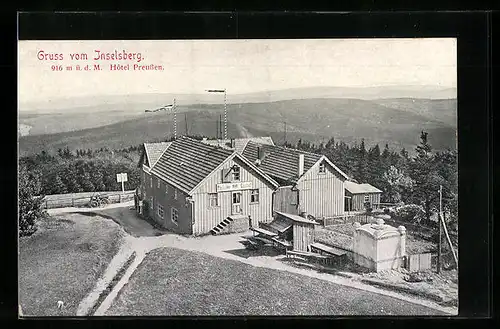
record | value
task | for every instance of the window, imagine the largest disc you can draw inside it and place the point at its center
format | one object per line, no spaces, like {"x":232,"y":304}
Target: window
{"x":160,"y":211}
{"x":322,"y":168}
{"x":367,"y":198}
{"x":254,"y":196}
{"x":175,"y":193}
{"x":157,"y":183}
{"x":213,"y":199}
{"x":236,"y":173}
{"x":174,"y":215}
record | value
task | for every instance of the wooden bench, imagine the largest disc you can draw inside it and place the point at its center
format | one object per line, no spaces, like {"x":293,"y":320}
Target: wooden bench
{"x":283,"y":244}
{"x":264,"y":232}
{"x":322,"y":248}
{"x":310,"y":257}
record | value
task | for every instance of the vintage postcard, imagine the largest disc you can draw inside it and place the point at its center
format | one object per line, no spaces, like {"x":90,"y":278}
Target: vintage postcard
{"x":238,"y":177}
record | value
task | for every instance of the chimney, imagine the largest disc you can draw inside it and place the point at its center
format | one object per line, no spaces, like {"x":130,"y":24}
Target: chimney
{"x":258,"y":152}
{"x":301,"y":165}
{"x":232,"y":143}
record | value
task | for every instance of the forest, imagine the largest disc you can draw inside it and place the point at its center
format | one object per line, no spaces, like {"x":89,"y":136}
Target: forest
{"x":404,"y":179}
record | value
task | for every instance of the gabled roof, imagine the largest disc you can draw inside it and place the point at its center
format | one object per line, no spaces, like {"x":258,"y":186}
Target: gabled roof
{"x":154,"y":151}
{"x":281,"y":162}
{"x":187,"y":162}
{"x":239,"y":143}
{"x":356,"y":188}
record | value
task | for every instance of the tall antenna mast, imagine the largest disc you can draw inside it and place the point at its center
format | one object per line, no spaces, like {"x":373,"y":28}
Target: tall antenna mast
{"x":225,"y":115}
{"x":220,"y":126}
{"x":186,"y":120}
{"x":175,"y":121}
{"x":284,"y":137}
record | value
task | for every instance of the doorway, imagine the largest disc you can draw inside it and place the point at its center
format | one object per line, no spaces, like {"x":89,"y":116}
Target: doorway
{"x":236,"y":203}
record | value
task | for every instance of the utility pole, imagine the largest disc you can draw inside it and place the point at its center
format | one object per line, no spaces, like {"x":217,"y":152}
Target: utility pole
{"x":225,"y":107}
{"x":440,"y":228}
{"x":186,"y":120}
{"x":225,"y":115}
{"x":284,"y":137}
{"x":220,"y":126}
{"x":175,"y":121}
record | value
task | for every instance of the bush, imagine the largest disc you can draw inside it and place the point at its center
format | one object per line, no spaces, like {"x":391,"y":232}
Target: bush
{"x":30,"y":205}
{"x":411,"y":213}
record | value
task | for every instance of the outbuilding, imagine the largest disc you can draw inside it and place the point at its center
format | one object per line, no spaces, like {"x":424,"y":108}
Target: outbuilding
{"x":309,"y":182}
{"x":196,"y":188}
{"x":359,"y":197}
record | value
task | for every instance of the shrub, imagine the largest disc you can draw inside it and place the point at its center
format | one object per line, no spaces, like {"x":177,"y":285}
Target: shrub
{"x":411,"y":213}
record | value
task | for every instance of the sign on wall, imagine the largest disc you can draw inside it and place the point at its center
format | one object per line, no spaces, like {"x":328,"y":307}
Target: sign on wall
{"x":224,"y":187}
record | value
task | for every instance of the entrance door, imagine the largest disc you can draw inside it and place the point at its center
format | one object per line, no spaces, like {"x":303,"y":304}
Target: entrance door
{"x":236,"y":203}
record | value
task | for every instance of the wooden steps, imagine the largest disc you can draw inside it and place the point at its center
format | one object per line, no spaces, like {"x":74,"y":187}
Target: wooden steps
{"x":219,"y":228}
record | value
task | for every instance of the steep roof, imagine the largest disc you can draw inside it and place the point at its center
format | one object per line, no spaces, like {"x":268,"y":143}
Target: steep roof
{"x":239,"y":143}
{"x":280,"y":162}
{"x":154,"y":151}
{"x":186,"y":162}
{"x":356,"y":188}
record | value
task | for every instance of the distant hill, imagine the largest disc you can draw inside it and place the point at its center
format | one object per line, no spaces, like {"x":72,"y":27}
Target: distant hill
{"x":315,"y":120}
{"x":152,"y":100}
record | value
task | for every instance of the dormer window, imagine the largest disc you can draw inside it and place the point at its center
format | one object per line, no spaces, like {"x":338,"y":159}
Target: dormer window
{"x":322,"y":168}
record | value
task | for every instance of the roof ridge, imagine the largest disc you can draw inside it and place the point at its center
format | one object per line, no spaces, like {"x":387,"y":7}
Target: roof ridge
{"x":287,"y":148}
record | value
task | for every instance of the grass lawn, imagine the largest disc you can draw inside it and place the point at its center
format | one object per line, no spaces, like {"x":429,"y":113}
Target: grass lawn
{"x":174,"y":282}
{"x":63,"y":260}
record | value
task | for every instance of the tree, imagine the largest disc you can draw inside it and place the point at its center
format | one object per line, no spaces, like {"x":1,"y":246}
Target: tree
{"x":30,"y":205}
{"x":56,"y":185}
{"x":86,"y":183}
{"x":396,"y":185}
{"x":425,"y":177}
{"x":362,"y":163}
{"x":375,"y":169}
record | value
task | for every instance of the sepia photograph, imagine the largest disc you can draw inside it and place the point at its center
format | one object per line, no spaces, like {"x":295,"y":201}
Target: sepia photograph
{"x":241,"y":177}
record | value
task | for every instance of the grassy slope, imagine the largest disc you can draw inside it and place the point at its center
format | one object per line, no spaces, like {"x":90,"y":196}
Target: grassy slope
{"x":63,"y":262}
{"x":176,"y":282}
{"x":311,"y":119}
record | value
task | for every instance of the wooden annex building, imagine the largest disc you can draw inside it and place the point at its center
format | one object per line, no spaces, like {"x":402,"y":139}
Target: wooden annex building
{"x":309,"y":182}
{"x":196,"y":188}
{"x":359,"y":197}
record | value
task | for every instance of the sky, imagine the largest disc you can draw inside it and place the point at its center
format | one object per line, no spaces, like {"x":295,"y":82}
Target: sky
{"x":240,"y":66}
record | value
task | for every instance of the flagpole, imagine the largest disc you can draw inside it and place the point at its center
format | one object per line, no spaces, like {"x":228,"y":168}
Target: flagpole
{"x":175,"y":121}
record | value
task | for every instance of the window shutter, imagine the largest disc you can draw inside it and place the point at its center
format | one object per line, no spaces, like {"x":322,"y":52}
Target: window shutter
{"x":226,"y":175}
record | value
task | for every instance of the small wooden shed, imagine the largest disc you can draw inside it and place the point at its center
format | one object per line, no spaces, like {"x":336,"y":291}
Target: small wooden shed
{"x":303,"y":230}
{"x":360,"y":196}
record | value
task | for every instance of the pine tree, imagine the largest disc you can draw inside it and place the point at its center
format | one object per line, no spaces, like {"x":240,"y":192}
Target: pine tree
{"x":57,"y":185}
{"x":86,"y":183}
{"x":425,"y":177}
{"x":375,"y":170}
{"x":362,"y":163}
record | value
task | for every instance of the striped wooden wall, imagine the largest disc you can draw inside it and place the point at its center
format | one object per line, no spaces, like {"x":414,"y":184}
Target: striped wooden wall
{"x":303,"y":236}
{"x":358,"y":200}
{"x":322,"y":194}
{"x":286,"y":200}
{"x":206,"y":217}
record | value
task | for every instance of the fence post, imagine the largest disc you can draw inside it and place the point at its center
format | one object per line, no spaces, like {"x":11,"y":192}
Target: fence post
{"x":119,"y":198}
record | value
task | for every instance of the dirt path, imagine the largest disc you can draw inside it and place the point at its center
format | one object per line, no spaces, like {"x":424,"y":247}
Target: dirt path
{"x":224,"y":246}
